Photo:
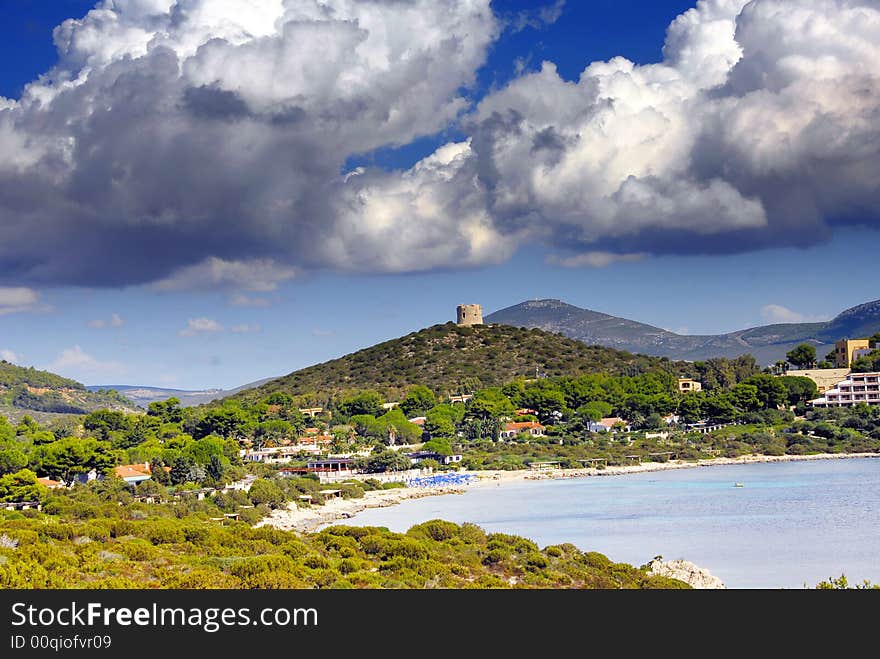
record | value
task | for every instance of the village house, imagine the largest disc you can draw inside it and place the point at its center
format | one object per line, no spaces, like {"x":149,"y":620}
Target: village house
{"x":533,"y":428}
{"x":610,"y":424}
{"x":134,"y":474}
{"x":688,"y":385}
{"x":418,"y":456}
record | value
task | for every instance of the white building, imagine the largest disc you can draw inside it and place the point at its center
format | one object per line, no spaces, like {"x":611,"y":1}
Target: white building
{"x":856,"y":389}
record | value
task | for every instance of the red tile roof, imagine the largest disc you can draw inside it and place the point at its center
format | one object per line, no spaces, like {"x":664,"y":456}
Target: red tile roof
{"x":523,"y":425}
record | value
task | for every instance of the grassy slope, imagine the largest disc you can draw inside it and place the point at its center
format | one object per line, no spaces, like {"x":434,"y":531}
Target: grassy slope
{"x":449,"y":358}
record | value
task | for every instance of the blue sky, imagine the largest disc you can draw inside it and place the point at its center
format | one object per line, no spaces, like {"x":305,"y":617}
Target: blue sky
{"x":164,"y":325}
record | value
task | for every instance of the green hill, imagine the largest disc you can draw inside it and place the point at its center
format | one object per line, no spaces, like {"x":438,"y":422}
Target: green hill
{"x":452,"y":359}
{"x":26,"y":390}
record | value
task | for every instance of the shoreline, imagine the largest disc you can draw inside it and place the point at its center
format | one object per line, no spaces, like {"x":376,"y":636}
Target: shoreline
{"x":309,"y":520}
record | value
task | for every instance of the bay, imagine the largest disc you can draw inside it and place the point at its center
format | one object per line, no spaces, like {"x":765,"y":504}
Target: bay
{"x":791,"y":524}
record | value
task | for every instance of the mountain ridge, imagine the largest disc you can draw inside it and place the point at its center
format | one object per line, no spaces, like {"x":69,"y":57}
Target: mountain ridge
{"x":143,"y":395}
{"x":767,"y":343}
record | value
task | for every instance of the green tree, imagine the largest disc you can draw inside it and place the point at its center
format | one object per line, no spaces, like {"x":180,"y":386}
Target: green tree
{"x":594,"y":411}
{"x":690,"y":410}
{"x":489,"y":404}
{"x":799,"y":389}
{"x":545,"y":397}
{"x":802,"y":356}
{"x":11,"y":459}
{"x":168,"y":411}
{"x":21,"y":486}
{"x":387,"y":460}
{"x":441,"y":420}
{"x":65,"y":459}
{"x":418,"y":400}
{"x":101,"y":423}
{"x":230,"y":422}
{"x":180,"y":470}
{"x":216,"y":469}
{"x":266,"y":492}
{"x":771,"y":390}
{"x":441,"y":446}
{"x":745,"y":397}
{"x":365,"y":425}
{"x":398,"y":429}
{"x":272,"y":432}
{"x":868,"y":363}
{"x":365,"y":402}
{"x":158,"y":472}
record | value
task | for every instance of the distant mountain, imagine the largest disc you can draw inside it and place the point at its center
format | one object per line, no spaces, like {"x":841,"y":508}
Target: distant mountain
{"x":144,"y":395}
{"x":767,"y":343}
{"x":451,"y":359}
{"x":26,"y":390}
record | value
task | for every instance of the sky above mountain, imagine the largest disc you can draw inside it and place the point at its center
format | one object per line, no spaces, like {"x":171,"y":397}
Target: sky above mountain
{"x":200,"y":193}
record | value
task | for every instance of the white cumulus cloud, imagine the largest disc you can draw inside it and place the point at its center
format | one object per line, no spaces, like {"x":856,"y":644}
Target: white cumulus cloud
{"x":9,"y":356}
{"x":78,"y":362}
{"x":196,"y":326}
{"x":245,"y":329}
{"x":207,"y":144}
{"x":776,"y":313}
{"x":19,"y":300}
{"x":593,"y":259}
{"x":100,"y":323}
{"x":217,"y":274}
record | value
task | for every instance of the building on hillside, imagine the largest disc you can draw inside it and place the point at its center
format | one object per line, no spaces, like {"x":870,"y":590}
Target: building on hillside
{"x":856,"y":389}
{"x":844,"y":351}
{"x":469,"y":314}
{"x":134,"y":474}
{"x":825,"y":378}
{"x":87,"y":477}
{"x":419,"y":420}
{"x":526,"y":410}
{"x":687,"y":385}
{"x":311,"y":411}
{"x":418,"y":456}
{"x":280,"y":454}
{"x":389,"y":406}
{"x":460,"y":399}
{"x":610,"y":424}
{"x":532,"y":428}
{"x":50,"y":484}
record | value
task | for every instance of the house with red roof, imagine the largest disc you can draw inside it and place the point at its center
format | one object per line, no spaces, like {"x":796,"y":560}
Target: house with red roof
{"x":513,"y":429}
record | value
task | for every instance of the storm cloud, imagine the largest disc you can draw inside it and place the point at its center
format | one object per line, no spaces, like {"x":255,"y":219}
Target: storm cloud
{"x":203,"y":143}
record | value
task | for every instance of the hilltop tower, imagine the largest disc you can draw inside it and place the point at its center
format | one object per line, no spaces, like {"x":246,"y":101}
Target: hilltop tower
{"x":470,"y":314}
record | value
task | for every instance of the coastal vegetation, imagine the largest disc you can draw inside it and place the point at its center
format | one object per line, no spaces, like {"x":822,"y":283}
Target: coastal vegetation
{"x":124,"y":550}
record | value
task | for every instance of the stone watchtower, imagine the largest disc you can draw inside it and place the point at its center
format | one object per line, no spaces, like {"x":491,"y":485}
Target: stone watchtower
{"x":470,"y":314}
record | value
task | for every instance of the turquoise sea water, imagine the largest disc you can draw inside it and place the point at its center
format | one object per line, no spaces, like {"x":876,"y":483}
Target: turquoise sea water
{"x":793,"y":523}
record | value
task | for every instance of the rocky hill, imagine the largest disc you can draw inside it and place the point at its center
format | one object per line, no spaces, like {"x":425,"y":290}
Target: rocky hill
{"x":452,"y":359}
{"x":28,"y":390}
{"x":767,"y":343}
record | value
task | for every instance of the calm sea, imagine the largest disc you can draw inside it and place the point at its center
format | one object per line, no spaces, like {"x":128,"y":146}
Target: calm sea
{"x":793,"y":523}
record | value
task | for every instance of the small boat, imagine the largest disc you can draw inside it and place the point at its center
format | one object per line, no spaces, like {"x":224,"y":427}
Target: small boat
{"x":738,"y":485}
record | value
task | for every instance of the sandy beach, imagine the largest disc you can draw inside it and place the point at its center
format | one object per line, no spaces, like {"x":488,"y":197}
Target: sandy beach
{"x":307,"y":520}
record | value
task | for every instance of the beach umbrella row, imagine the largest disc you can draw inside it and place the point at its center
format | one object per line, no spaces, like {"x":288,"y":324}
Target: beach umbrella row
{"x":442,"y":480}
